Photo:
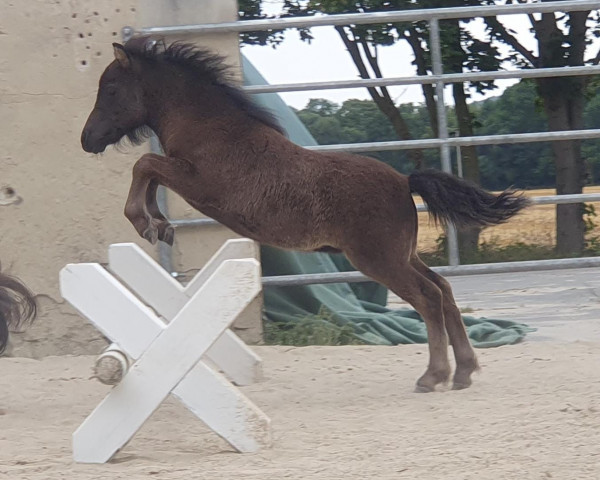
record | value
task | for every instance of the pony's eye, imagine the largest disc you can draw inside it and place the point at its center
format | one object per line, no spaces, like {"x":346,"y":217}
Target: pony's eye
{"x":111,"y":91}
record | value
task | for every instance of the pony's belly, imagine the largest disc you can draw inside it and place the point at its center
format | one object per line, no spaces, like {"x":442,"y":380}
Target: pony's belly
{"x":287,"y":238}
{"x":295,"y":230}
{"x":281,"y":240}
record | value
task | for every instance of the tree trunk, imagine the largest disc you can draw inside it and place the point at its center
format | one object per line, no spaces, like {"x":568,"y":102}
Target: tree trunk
{"x":564,"y":102}
{"x":468,"y":238}
{"x":565,"y":114}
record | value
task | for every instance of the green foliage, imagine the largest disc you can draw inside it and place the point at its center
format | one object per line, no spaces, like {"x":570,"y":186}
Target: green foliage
{"x":589,"y":215}
{"x":361,"y":121}
{"x":592,"y":242}
{"x":320,"y":329}
{"x":525,"y":165}
{"x":252,"y":10}
{"x":590,"y":149}
{"x":492,"y":252}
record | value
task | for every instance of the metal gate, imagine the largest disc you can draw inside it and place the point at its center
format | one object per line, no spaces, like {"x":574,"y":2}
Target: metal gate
{"x":444,"y":142}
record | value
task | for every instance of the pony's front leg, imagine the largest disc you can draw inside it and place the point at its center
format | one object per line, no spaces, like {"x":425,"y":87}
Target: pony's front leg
{"x":166,"y":232}
{"x":141,"y":209}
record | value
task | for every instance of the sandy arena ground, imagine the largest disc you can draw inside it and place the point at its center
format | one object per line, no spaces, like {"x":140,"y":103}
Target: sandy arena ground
{"x":349,"y":412}
{"x":337,"y":413}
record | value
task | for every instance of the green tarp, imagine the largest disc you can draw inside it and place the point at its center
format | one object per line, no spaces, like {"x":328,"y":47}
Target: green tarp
{"x":357,"y":309}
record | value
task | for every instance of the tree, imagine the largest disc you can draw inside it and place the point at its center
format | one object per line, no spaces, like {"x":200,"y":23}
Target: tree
{"x":562,"y":40}
{"x":252,"y":10}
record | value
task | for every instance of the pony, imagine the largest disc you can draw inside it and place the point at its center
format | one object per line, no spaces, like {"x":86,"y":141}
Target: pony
{"x":231,"y":160}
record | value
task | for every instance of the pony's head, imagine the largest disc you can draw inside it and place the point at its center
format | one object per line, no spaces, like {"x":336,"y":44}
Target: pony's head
{"x":146,"y":75}
{"x":119,"y":108}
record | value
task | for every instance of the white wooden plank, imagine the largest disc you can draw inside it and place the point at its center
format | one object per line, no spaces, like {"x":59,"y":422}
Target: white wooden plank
{"x":235,"y":359}
{"x":167,"y":360}
{"x":164,"y":294}
{"x":153,"y":283}
{"x":224,"y":409}
{"x":235,"y":248}
{"x":146,"y":278}
{"x":111,"y":307}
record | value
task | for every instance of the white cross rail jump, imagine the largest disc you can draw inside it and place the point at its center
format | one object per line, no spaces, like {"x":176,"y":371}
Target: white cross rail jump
{"x":170,"y":358}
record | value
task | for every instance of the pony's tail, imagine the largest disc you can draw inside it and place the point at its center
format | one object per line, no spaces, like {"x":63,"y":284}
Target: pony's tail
{"x":17,"y":306}
{"x":452,"y":199}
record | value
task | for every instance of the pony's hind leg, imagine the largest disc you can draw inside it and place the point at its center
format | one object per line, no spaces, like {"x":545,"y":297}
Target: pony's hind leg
{"x":425,"y":296}
{"x":466,"y":360}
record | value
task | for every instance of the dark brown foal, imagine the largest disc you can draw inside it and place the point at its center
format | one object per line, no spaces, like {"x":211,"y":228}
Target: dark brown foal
{"x":229,"y":159}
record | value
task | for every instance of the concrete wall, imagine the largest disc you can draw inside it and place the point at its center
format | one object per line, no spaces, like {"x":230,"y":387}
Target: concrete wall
{"x":53,"y":52}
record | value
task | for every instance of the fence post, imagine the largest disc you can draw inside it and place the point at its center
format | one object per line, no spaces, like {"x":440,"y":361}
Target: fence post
{"x":438,"y":69}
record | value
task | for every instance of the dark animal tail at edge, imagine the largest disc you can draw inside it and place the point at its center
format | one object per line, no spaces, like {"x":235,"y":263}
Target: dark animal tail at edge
{"x":452,"y":199}
{"x":17,"y":306}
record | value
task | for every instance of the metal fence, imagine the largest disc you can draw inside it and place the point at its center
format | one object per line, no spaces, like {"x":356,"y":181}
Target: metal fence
{"x":443,"y":141}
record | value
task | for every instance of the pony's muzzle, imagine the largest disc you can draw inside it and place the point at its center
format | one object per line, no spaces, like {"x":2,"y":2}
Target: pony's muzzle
{"x":91,"y":144}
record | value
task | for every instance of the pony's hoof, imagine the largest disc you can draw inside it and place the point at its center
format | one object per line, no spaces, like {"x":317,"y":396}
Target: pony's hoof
{"x":423,"y":389}
{"x":462,"y":375}
{"x":168,"y":235}
{"x":431,"y":378}
{"x":460,"y":386}
{"x":151,"y":234}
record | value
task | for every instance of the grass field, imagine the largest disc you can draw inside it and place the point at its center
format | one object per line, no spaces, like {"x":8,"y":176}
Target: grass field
{"x":535,"y":225}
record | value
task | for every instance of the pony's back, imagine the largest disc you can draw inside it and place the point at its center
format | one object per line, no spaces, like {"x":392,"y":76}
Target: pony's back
{"x":17,"y":306}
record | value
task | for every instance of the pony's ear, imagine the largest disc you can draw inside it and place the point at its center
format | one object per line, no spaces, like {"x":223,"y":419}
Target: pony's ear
{"x":121,"y":55}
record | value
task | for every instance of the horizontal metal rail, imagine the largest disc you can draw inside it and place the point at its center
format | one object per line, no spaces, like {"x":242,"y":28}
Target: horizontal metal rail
{"x":193,"y":222}
{"x":424,"y":79}
{"x":542,"y":200}
{"x":478,"y":140}
{"x":479,"y":269}
{"x":370,"y":18}
{"x":460,"y":141}
{"x":561,"y":199}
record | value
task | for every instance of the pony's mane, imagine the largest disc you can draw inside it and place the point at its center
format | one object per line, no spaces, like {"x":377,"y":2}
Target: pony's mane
{"x":203,"y":64}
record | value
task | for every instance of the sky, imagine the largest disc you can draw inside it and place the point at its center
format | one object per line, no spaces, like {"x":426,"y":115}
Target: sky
{"x":326,"y":59}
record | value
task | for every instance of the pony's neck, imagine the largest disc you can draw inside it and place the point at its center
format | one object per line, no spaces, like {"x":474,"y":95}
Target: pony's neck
{"x":172,"y":95}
